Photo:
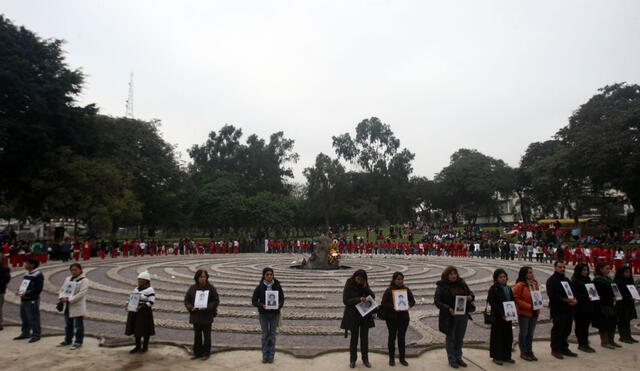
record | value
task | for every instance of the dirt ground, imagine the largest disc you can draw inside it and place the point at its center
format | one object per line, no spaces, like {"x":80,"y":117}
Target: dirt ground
{"x":44,"y":355}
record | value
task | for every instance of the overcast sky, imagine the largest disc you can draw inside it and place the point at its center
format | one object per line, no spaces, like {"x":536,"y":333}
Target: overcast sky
{"x":489,"y":75}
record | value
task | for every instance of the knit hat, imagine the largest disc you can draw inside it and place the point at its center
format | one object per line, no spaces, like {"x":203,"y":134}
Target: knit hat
{"x":145,"y":276}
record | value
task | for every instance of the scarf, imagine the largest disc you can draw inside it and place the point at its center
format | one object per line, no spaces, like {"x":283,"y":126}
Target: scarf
{"x":268,"y":284}
{"x":507,"y":292}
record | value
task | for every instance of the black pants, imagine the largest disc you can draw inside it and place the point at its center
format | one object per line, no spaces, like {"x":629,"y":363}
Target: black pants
{"x":397,"y":329}
{"x":583,"y":321}
{"x":142,"y":342}
{"x":624,"y":328}
{"x":202,"y":332}
{"x":560,"y":331}
{"x":359,"y":329}
{"x":501,"y":340}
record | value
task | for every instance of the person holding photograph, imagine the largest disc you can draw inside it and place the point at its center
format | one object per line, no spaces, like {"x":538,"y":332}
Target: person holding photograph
{"x":30,"y":302}
{"x":625,"y":308}
{"x":202,"y":318}
{"x":583,"y":311}
{"x":604,"y":314}
{"x":269,"y":318}
{"x":561,"y":310}
{"x":140,"y":323}
{"x":5,"y":277}
{"x":527,"y":316}
{"x":356,"y":290}
{"x":397,"y":321}
{"x":501,"y":338}
{"x":75,"y":306}
{"x":453,"y":326}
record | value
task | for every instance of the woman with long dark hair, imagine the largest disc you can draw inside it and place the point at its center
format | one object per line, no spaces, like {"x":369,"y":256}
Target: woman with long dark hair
{"x":452,"y":325}
{"x":604,"y":315}
{"x":501,"y":338}
{"x":397,"y":319}
{"x":269,"y":318}
{"x":527,"y":316}
{"x":202,"y":317}
{"x":356,"y":291}
{"x":625,"y":308}
{"x":583,"y":312}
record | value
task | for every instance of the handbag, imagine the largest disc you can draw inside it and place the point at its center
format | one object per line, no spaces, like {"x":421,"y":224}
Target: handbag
{"x":488,"y":317}
{"x":60,"y":306}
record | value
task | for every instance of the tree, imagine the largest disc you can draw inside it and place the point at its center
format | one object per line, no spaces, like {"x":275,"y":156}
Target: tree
{"x":604,"y":137}
{"x":384,"y":181}
{"x":472,"y":183}
{"x":220,"y":204}
{"x":93,"y":191}
{"x":261,"y":165}
{"x":373,"y":148}
{"x":555,"y":180}
{"x":37,"y":91}
{"x":270,"y":211}
{"x":324,"y":182}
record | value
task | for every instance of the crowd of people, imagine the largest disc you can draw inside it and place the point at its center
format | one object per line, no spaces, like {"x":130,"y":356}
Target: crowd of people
{"x":16,"y":253}
{"x":602,"y":302}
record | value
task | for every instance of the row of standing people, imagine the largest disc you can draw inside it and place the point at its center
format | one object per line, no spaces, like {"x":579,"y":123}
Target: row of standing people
{"x":568,"y":301}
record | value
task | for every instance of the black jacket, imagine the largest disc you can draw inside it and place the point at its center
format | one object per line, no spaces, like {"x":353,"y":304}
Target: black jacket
{"x":557,"y":294}
{"x":625,"y":308}
{"x":35,"y":286}
{"x":202,"y":317}
{"x":350,"y":297}
{"x":258,"y":296}
{"x":444,"y":300}
{"x":495,"y":298}
{"x":585,"y":305}
{"x":386,"y":304}
{"x":604,"y":316}
{"x":5,"y":277}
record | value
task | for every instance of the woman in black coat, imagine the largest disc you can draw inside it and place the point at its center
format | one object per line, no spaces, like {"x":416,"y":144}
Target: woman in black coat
{"x":625,"y":308}
{"x":453,"y":326}
{"x":604,"y":315}
{"x":201,"y":318}
{"x":355,"y":292}
{"x":397,"y":320}
{"x":501,"y":340}
{"x":583,"y":311}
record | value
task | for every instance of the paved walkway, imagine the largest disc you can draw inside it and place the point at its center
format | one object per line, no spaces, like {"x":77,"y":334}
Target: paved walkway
{"x":43,"y":355}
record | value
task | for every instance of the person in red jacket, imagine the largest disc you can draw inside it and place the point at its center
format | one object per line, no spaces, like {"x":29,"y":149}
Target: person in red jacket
{"x":77,"y":247}
{"x":527,"y":316}
{"x":125,"y":249}
{"x":86,"y":250}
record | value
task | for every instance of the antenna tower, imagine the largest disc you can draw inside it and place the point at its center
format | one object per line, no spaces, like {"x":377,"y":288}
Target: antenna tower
{"x":129,"y":110}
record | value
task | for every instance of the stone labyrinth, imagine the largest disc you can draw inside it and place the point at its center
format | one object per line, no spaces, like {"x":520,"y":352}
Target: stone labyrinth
{"x":313,"y":308}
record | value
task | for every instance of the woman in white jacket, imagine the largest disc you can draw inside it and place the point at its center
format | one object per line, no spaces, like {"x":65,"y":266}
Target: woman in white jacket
{"x":73,"y":300}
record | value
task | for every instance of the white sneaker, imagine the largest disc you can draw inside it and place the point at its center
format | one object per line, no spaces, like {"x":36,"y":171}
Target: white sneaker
{"x":75,"y":346}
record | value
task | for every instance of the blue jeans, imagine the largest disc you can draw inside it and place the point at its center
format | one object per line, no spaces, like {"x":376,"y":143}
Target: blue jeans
{"x":30,"y":316}
{"x":525,"y":337}
{"x":269,"y":324}
{"x":76,"y":323}
{"x":455,"y":338}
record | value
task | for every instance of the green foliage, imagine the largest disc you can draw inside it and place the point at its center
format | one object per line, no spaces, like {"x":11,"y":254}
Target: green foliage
{"x":472,"y":184}
{"x":604,"y":138}
{"x":259,"y":165}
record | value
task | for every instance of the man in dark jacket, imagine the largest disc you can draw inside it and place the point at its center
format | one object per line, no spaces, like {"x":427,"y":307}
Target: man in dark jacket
{"x":5,"y":277}
{"x":561,"y":307}
{"x":30,"y":302}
